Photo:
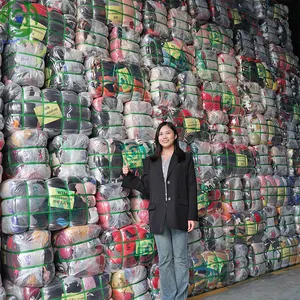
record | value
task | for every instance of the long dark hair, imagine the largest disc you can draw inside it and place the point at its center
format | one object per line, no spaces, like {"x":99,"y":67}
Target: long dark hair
{"x":158,"y":147}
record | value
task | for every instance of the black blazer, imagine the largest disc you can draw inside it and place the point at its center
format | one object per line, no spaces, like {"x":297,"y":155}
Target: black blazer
{"x":181,"y":188}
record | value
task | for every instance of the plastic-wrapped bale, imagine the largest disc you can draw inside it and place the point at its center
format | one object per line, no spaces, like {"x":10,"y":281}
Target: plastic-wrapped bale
{"x":124,"y":45}
{"x":268,"y":190}
{"x":212,"y":232}
{"x":68,"y":155}
{"x":295,"y":85}
{"x":198,"y":10}
{"x":65,"y":6}
{"x":188,"y":91}
{"x":270,"y":9}
{"x":271,"y":231}
{"x":65,"y":70}
{"x":195,"y":243}
{"x":279,"y":160}
{"x":257,"y":260}
{"x":155,"y":19}
{"x":92,"y":287}
{"x":209,"y":197}
{"x":266,"y":78}
{"x":158,"y":52}
{"x":138,"y":120}
{"x":273,"y":255}
{"x":107,"y":118}
{"x":227,"y":68}
{"x":294,"y":162}
{"x":49,"y":110}
{"x":251,"y":98}
{"x":286,"y":220}
{"x":139,"y":207}
{"x":252,"y":195}
{"x":240,"y":262}
{"x":211,"y":36}
{"x":288,"y":108}
{"x":219,"y":14}
{"x":276,"y":131}
{"x":268,"y":100}
{"x":218,"y":132}
{"x":125,"y":13}
{"x":179,"y":23}
{"x":153,"y":281}
{"x":231,"y":98}
{"x":197,"y":279}
{"x":31,"y":73}
{"x":261,"y":49}
{"x":207,"y":65}
{"x":294,"y":243}
{"x":113,"y":206}
{"x":106,"y":157}
{"x":163,"y":88}
{"x":78,"y":251}
{"x":27,"y":258}
{"x":262,"y":160}
{"x":283,"y":83}
{"x":244,"y":45}
{"x":285,"y":35}
{"x":25,"y":156}
{"x":131,"y":283}
{"x":91,"y":33}
{"x":232,"y":195}
{"x":203,"y":162}
{"x":247,"y":70}
{"x":286,"y":251}
{"x":225,"y":160}
{"x":270,"y":31}
{"x":128,"y":247}
{"x":257,"y":129}
{"x":238,"y":131}
{"x":282,"y":59}
{"x":292,"y":135}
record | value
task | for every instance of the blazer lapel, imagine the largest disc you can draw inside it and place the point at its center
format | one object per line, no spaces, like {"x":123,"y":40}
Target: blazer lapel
{"x":157,"y":165}
{"x":173,"y":163}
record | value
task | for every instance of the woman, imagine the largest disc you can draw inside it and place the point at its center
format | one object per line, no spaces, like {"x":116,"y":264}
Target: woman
{"x":169,"y":182}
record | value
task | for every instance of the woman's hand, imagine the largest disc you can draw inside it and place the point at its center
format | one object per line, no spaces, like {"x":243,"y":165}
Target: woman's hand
{"x":125,"y":170}
{"x":191,"y":225}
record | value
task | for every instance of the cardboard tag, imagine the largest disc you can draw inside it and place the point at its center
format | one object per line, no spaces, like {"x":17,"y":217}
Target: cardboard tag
{"x":61,"y":198}
{"x":48,"y":113}
{"x":241,"y":160}
{"x":114,"y":13}
{"x":191,"y":125}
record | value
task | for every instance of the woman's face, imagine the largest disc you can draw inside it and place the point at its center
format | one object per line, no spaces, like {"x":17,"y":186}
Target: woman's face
{"x":166,"y":137}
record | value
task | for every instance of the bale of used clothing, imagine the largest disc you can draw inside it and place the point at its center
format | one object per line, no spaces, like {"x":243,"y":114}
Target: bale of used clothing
{"x":124,"y":45}
{"x":31,"y":73}
{"x":107,"y":118}
{"x":78,"y":251}
{"x":197,"y":278}
{"x":247,"y":70}
{"x":252,"y":194}
{"x":243,"y":44}
{"x":93,"y":287}
{"x":128,"y":247}
{"x":279,"y":160}
{"x":286,"y":220}
{"x":268,"y":100}
{"x":139,"y":207}
{"x":218,"y":132}
{"x":195,"y":243}
{"x":261,"y":49}
{"x":65,"y":70}
{"x":65,"y":6}
{"x":91,"y":11}
{"x":265,"y":76}
{"x":198,"y":10}
{"x":232,"y":97}
{"x":153,"y":281}
{"x":268,"y":190}
{"x":113,"y":206}
{"x":218,"y":10}
{"x":270,"y":31}
{"x":286,"y":251}
{"x":257,"y":129}
{"x":27,"y":258}
{"x":273,"y":255}
{"x":251,"y":98}
{"x":130,"y":283}
{"x":207,"y":65}
{"x":227,"y":65}
{"x":238,"y":131}
{"x":53,"y":111}
{"x":294,"y":159}
{"x":276,"y":132}
{"x":262,"y":160}
{"x":271,"y":232}
{"x":25,"y":155}
{"x":257,"y":260}
{"x":240,"y":262}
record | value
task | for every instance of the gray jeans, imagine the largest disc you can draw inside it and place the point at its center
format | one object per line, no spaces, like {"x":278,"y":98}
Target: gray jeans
{"x":172,"y":247}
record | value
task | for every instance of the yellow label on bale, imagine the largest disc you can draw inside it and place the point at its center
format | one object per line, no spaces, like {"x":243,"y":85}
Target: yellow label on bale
{"x":73,"y":296}
{"x":48,"y":113}
{"x":191,"y":125}
{"x":38,"y":30}
{"x":61,"y":198}
{"x":114,"y":14}
{"x":241,"y":160}
{"x":172,"y":49}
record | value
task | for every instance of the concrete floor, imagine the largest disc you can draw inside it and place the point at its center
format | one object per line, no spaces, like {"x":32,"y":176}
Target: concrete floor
{"x":280,"y":285}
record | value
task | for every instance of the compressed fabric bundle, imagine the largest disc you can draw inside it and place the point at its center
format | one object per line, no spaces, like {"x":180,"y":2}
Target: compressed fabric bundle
{"x":268,"y":100}
{"x":65,"y":70}
{"x":292,"y":135}
{"x":124,"y":45}
{"x":64,"y":287}
{"x":218,"y":133}
{"x":197,"y":278}
{"x":227,"y":68}
{"x":212,"y":36}
{"x":240,"y":262}
{"x":279,"y":160}
{"x":65,"y":6}
{"x":27,"y":258}
{"x":271,"y":231}
{"x":207,"y":65}
{"x":179,"y":23}
{"x":91,"y":35}
{"x":198,"y":10}
{"x":262,"y":160}
{"x":276,"y":132}
{"x":31,"y":73}
{"x":130,"y":283}
{"x":107,"y":118}
{"x":128,"y":247}
{"x":211,"y":227}
{"x":78,"y":251}
{"x":139,"y":207}
{"x":188,"y":91}
{"x":261,"y":49}
{"x":125,"y":13}
{"x":266,"y":78}
{"x":153,"y":281}
{"x":269,"y":29}
{"x":247,"y":70}
{"x":288,"y":108}
{"x":68,"y":155}
{"x":257,"y":260}
{"x":273,"y":255}
{"x":252,"y":195}
{"x":257,"y":129}
{"x":286,"y":220}
{"x":294,"y":159}
{"x":285,"y":35}
{"x":2,"y":92}
{"x":286,"y":251}
{"x":195,"y":243}
{"x":269,"y":191}
{"x":251,"y":98}
{"x":138,"y":120}
{"x":243,"y":44}
{"x":113,"y":206}
{"x":218,"y":10}
{"x":25,"y":155}
{"x":238,"y":131}
{"x":231,"y":96}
